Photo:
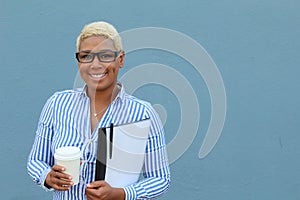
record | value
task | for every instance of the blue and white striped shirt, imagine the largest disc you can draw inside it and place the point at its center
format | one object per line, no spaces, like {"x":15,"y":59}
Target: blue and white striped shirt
{"x":65,"y":121}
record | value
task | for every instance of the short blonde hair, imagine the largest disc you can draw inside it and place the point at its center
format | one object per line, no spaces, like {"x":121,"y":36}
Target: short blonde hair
{"x":100,"y":29}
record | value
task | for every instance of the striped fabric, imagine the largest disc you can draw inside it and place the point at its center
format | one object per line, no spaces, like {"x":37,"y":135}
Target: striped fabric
{"x":64,"y":121}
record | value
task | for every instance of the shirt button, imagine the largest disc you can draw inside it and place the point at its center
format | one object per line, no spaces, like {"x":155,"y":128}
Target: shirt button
{"x":83,"y":161}
{"x":89,"y":141}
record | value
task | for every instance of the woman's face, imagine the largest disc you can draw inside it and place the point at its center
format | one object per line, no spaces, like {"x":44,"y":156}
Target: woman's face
{"x":99,"y":76}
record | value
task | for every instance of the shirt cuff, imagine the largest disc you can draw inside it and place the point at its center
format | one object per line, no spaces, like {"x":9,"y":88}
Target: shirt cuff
{"x":130,"y":193}
{"x":43,"y":179}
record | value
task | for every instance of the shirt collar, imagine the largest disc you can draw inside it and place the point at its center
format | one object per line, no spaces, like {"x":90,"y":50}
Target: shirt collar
{"x":120,"y":95}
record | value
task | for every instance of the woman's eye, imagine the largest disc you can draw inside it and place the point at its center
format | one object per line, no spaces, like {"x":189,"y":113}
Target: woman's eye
{"x":87,"y":56}
{"x":107,"y":56}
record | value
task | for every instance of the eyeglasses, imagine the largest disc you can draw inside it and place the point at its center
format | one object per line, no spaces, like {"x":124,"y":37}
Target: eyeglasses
{"x":103,"y":56}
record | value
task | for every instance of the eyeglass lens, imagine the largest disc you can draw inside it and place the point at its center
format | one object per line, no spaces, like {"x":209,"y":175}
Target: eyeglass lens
{"x":103,"y":56}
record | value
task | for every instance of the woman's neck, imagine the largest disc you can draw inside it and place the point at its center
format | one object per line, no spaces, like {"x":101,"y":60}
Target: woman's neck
{"x":100,"y":99}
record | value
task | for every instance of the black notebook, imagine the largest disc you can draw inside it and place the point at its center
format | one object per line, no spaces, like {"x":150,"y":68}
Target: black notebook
{"x":121,"y":152}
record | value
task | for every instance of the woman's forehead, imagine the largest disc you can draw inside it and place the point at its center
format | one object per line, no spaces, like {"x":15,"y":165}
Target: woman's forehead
{"x":96,"y":43}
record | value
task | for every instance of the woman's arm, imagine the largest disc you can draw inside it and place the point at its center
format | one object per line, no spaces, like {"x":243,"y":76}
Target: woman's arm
{"x":40,"y":158}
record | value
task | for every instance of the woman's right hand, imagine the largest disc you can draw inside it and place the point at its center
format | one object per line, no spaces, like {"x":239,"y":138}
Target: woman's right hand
{"x":57,"y":179}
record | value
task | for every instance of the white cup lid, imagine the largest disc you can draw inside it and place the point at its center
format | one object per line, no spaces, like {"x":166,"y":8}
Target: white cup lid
{"x":67,"y":153}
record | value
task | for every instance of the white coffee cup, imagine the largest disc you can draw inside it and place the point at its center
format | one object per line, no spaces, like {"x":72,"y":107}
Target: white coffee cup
{"x":69,"y":157}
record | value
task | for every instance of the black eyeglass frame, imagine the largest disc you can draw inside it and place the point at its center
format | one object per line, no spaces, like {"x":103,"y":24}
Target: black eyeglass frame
{"x":116,"y":54}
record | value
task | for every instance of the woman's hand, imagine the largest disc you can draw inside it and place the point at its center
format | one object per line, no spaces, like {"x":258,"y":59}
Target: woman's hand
{"x":100,"y":190}
{"x":57,"y":179}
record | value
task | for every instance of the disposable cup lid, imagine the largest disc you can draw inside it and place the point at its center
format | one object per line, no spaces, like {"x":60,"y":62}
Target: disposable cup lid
{"x":67,"y":153}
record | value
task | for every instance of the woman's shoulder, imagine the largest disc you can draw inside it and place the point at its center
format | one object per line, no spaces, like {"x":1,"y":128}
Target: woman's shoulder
{"x":132,"y":99}
{"x":64,"y":94}
{"x":67,"y":92}
{"x":141,"y":104}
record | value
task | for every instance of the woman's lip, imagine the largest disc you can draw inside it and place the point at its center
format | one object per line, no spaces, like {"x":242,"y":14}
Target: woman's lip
{"x":98,"y":77}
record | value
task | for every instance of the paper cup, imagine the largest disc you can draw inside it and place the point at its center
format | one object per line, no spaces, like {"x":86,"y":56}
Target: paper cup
{"x":69,"y":157}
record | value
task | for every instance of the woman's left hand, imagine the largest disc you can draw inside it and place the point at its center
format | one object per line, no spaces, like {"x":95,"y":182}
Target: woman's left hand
{"x":101,"y":190}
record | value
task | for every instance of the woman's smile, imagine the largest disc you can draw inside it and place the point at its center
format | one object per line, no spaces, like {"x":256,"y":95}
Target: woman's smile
{"x":98,"y":76}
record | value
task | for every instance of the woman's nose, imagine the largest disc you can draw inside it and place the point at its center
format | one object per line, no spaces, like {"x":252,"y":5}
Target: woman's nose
{"x":97,"y":63}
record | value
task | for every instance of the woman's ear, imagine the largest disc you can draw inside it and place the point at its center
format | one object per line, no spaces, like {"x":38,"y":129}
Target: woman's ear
{"x":122,"y":59}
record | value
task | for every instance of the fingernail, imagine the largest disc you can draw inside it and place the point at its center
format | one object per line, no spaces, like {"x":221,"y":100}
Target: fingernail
{"x":63,"y":169}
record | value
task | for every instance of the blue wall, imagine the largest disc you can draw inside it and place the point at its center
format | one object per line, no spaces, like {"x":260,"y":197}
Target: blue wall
{"x":255,"y":45}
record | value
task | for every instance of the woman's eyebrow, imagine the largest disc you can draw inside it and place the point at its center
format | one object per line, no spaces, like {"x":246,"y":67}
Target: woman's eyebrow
{"x":85,"y":51}
{"x":103,"y":50}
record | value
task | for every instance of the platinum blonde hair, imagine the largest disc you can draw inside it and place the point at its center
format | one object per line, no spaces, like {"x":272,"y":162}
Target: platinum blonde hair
{"x":100,"y":29}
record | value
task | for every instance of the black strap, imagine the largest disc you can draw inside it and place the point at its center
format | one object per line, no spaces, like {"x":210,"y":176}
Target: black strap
{"x":101,"y":155}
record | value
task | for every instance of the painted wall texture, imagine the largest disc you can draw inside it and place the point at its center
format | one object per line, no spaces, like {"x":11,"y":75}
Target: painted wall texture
{"x":254,"y":45}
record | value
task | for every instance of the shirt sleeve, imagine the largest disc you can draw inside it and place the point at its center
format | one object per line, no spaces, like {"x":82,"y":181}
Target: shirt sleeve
{"x":156,"y":168}
{"x":40,"y":158}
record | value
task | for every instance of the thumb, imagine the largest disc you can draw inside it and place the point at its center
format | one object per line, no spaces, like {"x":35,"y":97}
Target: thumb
{"x":96,"y":184}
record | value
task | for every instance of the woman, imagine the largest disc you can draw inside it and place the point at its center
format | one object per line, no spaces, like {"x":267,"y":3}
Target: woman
{"x":72,"y":118}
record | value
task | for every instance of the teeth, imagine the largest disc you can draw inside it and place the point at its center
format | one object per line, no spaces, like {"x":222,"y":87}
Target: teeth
{"x":98,"y":75}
